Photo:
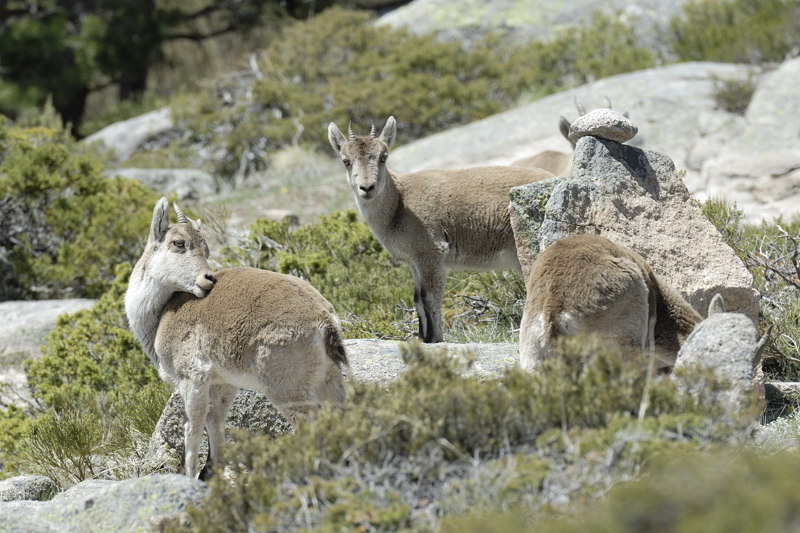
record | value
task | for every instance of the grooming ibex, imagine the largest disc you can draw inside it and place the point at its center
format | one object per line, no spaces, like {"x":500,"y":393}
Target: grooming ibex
{"x":587,"y":283}
{"x":432,"y":219}
{"x":210,"y":334}
{"x":559,"y":163}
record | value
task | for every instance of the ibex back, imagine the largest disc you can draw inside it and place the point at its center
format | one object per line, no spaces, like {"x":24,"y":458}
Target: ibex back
{"x":432,"y":219}
{"x":210,"y":334}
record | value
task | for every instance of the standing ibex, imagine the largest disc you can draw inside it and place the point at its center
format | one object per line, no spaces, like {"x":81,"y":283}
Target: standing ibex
{"x":210,"y":334}
{"x":432,"y":219}
{"x":559,"y":163}
{"x":587,"y":283}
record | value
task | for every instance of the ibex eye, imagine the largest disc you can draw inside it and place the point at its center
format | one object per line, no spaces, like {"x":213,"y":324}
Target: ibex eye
{"x":346,"y":162}
{"x":178,"y":244}
{"x":384,"y":157}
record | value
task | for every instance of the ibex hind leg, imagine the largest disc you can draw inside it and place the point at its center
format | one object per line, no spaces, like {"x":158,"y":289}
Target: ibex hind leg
{"x":291,"y":375}
{"x":220,"y":399}
{"x":195,"y":403}
{"x":331,"y":389}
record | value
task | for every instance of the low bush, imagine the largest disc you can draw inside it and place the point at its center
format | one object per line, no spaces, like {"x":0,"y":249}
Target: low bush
{"x":714,"y":492}
{"x":64,"y":225}
{"x":438,"y":442}
{"x":770,"y":251}
{"x":736,"y":31}
{"x":99,"y":398}
{"x":604,"y":47}
{"x":733,"y":95}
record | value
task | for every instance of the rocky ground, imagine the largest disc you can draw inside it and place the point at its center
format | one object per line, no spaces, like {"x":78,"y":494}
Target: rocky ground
{"x":752,"y":159}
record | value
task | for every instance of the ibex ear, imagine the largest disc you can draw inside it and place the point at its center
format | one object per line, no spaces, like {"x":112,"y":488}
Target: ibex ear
{"x":160,"y":223}
{"x":335,"y":137}
{"x":717,"y":305}
{"x":389,"y":132}
{"x":563,"y":127}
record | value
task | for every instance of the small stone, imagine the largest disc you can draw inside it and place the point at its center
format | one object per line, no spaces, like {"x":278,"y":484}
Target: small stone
{"x":36,"y":488}
{"x":603,"y":123}
{"x":727,"y":345}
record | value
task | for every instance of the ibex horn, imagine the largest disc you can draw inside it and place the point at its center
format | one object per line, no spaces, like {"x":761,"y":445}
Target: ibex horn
{"x":372,"y":132}
{"x":350,"y":134}
{"x":182,"y":219}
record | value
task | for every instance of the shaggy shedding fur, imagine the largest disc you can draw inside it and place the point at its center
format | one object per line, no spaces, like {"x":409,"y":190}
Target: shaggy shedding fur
{"x":210,"y":334}
{"x":587,"y":283}
{"x":434,"y":219}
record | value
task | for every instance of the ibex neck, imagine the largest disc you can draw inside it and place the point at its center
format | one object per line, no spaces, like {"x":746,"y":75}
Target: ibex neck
{"x":381,"y":210}
{"x":144,"y":301}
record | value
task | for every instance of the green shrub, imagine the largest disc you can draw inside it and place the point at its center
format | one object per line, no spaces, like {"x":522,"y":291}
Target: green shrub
{"x":100,"y":396}
{"x":700,"y":492}
{"x":317,"y":73}
{"x":339,"y":65}
{"x":64,"y":226}
{"x":733,"y":95}
{"x":736,"y":31}
{"x":14,"y":423}
{"x":92,"y":352}
{"x":605,"y":47}
{"x":447,"y":443}
{"x":770,"y":251}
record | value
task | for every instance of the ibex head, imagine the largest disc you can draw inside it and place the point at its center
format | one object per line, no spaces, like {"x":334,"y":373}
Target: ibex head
{"x":177,"y":256}
{"x":364,"y":158}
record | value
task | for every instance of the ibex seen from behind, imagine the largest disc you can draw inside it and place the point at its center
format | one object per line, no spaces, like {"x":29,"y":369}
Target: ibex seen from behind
{"x":210,"y":334}
{"x":433,"y":219}
{"x":589,"y":284}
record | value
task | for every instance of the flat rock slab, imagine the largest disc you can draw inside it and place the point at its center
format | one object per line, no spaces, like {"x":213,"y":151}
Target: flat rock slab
{"x":23,"y":328}
{"x":25,"y":324}
{"x":185,"y":183}
{"x":122,"y":138}
{"x":380,"y":361}
{"x":138,"y":504}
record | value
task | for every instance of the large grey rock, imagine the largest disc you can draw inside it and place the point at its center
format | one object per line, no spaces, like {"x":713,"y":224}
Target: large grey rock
{"x":139,"y":504}
{"x":36,"y":488}
{"x":635,"y":198}
{"x":185,"y":183}
{"x":250,"y":410}
{"x":758,"y":166}
{"x":727,"y":346}
{"x":122,"y":138}
{"x":23,"y":328}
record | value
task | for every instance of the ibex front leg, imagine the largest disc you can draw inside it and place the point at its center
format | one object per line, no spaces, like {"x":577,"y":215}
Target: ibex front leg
{"x":195,"y":402}
{"x":220,"y":400}
{"x":429,"y":281}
